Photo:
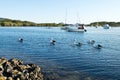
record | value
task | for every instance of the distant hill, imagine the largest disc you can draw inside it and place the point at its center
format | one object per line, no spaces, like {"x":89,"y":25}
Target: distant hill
{"x":10,"y":22}
{"x":113,"y":24}
{"x":3,"y":18}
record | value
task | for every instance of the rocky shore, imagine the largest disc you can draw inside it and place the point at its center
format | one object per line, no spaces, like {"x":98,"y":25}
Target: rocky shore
{"x":14,"y":69}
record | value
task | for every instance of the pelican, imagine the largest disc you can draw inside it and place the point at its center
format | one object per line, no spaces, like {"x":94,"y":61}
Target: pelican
{"x":77,"y":43}
{"x":20,"y":39}
{"x":91,"y":42}
{"x":98,"y":46}
{"x":52,"y":41}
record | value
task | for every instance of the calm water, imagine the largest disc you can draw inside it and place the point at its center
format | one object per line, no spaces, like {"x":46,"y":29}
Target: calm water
{"x":63,"y":60}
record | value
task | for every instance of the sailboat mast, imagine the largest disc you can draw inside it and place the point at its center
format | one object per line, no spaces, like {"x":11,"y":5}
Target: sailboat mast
{"x":78,"y":18}
{"x":66,"y":17}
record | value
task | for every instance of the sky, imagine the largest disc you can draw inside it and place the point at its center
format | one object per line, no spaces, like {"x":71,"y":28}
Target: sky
{"x":56,"y":11}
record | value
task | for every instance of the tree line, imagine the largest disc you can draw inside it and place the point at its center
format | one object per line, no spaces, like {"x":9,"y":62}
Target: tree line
{"x":113,"y":24}
{"x":9,"y":22}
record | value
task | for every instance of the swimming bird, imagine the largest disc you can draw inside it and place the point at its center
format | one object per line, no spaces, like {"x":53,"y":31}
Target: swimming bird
{"x":98,"y":46}
{"x":77,"y":43}
{"x":20,"y":39}
{"x":52,"y":41}
{"x":91,"y":42}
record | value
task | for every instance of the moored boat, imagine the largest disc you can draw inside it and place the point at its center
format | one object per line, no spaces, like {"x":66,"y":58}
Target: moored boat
{"x":106,"y":26}
{"x":76,"y":28}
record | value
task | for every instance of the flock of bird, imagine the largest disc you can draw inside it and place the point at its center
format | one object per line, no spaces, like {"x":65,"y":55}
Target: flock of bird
{"x":75,"y":43}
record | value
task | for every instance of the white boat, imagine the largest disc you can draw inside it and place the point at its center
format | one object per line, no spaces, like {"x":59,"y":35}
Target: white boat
{"x":76,"y":28}
{"x":106,"y":26}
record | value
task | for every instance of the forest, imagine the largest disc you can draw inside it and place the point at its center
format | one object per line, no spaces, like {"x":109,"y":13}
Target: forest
{"x":10,"y":22}
{"x":17,"y":23}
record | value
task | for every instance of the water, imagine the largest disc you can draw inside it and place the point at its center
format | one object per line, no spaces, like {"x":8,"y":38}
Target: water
{"x":64,"y":61}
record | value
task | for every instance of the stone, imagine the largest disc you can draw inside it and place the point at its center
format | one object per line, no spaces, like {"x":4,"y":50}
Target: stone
{"x":2,"y":60}
{"x":10,"y":78}
{"x":2,"y":78}
{"x":14,"y":69}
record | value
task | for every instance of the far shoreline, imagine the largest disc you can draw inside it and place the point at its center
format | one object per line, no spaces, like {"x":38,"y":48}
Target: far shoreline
{"x":5,"y":22}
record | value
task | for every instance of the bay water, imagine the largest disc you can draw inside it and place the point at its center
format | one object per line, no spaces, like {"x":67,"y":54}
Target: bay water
{"x":64,"y":61}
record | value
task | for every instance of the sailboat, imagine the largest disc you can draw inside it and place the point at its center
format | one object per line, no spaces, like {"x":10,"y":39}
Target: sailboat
{"x":65,"y":25}
{"x":76,"y":28}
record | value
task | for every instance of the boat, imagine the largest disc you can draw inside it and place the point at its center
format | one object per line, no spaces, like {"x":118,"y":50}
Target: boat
{"x":106,"y":26}
{"x":76,"y":28}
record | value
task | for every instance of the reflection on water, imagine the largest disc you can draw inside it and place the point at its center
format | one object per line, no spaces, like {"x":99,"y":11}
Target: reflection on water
{"x":63,"y":61}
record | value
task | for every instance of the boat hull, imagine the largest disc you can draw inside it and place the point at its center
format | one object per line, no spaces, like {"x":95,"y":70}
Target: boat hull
{"x":75,"y":30}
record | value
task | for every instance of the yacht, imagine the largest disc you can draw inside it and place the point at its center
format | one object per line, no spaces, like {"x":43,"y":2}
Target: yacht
{"x":76,"y":28}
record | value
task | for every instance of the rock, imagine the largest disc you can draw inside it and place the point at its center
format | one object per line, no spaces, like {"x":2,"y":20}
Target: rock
{"x":10,"y":78}
{"x":1,"y":69}
{"x":2,"y":78}
{"x":15,"y":62}
{"x":14,"y":69}
{"x":2,"y":61}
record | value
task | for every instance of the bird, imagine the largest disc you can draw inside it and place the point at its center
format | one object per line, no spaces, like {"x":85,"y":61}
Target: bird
{"x":77,"y":43}
{"x":98,"y":46}
{"x":52,"y":41}
{"x":20,"y":39}
{"x":91,"y":42}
